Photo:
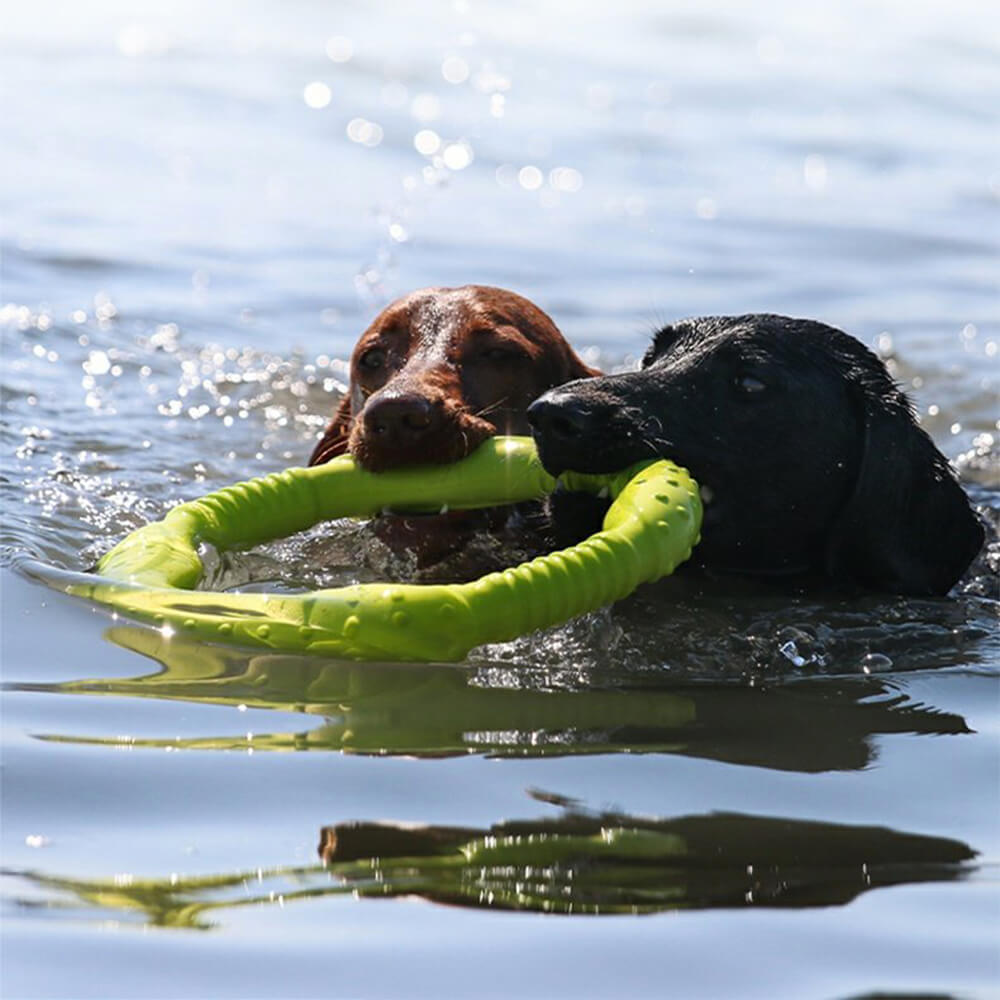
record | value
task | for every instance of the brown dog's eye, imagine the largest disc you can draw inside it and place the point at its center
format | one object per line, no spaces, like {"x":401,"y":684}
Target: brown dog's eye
{"x":372,"y":359}
{"x":750,"y":384}
{"x":497,"y":354}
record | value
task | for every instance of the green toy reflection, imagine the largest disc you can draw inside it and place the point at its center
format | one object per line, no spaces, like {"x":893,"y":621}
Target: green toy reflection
{"x":503,"y":710}
{"x":579,"y":863}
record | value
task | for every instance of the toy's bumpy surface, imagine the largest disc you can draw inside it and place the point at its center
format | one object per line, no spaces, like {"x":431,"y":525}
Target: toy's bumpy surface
{"x":649,"y":529}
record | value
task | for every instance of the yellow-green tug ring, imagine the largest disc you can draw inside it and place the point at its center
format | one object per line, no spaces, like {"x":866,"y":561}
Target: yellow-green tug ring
{"x":649,"y":529}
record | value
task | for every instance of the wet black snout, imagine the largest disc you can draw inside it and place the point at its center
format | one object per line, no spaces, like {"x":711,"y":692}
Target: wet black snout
{"x":560,"y":418}
{"x":569,"y":428}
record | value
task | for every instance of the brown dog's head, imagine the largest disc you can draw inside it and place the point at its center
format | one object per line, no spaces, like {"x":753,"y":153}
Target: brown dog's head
{"x":441,"y":370}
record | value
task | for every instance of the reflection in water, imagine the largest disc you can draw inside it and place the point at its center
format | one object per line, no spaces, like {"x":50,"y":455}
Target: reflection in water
{"x":497,"y":709}
{"x":579,"y":863}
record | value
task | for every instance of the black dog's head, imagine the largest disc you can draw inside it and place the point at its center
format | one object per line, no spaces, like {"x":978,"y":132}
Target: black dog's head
{"x":809,"y":457}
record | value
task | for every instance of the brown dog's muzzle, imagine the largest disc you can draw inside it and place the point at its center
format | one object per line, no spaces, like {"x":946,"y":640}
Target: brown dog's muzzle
{"x":415,"y":424}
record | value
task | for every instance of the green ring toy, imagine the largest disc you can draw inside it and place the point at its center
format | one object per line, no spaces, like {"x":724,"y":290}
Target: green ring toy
{"x":649,"y":529}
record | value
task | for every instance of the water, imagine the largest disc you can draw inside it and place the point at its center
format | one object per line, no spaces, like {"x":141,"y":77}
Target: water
{"x":201,"y":210}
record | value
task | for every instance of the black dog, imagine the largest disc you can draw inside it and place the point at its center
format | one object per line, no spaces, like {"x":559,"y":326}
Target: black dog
{"x":809,"y":456}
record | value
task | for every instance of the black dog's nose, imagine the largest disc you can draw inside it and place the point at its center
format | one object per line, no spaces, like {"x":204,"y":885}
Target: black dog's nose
{"x":559,"y":417}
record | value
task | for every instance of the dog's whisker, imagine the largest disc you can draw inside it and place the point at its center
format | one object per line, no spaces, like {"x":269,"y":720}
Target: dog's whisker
{"x":497,"y":404}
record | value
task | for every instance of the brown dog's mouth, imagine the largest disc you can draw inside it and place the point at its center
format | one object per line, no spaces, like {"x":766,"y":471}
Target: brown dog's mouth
{"x":455,"y":440}
{"x":429,"y":518}
{"x":433,"y":536}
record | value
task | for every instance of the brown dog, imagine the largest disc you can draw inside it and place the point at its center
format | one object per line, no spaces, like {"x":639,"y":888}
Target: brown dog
{"x":440,"y":371}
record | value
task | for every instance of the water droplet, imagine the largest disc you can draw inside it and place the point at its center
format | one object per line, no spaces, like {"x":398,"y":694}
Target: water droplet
{"x":876,"y":663}
{"x":791,"y":653}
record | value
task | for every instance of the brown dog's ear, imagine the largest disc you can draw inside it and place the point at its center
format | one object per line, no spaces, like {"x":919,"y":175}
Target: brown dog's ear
{"x":577,"y":368}
{"x":335,"y":437}
{"x":908,"y":528}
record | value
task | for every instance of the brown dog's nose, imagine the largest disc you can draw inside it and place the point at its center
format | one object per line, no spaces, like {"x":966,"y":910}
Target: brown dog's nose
{"x":406,"y":416}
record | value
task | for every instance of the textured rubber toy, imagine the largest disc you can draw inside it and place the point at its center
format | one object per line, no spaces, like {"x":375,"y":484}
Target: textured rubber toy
{"x":648,"y":530}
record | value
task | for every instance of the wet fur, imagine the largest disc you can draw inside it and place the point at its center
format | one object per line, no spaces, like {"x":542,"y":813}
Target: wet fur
{"x":814,"y":462}
{"x":470,"y":360}
{"x":460,"y":365}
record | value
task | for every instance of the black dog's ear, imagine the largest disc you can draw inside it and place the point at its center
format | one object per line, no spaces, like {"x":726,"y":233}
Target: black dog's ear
{"x":908,"y":527}
{"x":662,"y":340}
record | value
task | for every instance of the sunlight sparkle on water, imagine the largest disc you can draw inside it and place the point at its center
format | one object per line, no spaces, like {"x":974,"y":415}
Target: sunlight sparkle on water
{"x":316,"y":94}
{"x":97,"y":363}
{"x":814,"y":172}
{"x":339,"y":49}
{"x":706,"y":208}
{"x":455,"y":69}
{"x":136,"y":40}
{"x":530,"y":178}
{"x":566,"y":179}
{"x":394,"y":94}
{"x":364,"y":132}
{"x":427,"y":142}
{"x":425,"y":107}
{"x":457,"y":155}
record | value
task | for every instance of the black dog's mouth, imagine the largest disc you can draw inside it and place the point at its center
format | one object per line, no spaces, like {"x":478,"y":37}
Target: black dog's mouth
{"x":600,"y":457}
{"x":557,"y":459}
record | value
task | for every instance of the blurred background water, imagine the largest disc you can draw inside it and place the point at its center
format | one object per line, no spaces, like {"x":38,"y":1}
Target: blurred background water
{"x":202,"y":207}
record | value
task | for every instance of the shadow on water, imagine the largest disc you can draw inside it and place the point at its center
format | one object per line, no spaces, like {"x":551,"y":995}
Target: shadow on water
{"x":804,"y":725}
{"x":578,"y":863}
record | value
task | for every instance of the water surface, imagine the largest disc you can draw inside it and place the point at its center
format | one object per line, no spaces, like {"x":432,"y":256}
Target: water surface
{"x":722,"y":794}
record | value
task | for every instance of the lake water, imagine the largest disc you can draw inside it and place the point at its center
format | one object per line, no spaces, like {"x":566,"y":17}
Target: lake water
{"x":692,"y":795}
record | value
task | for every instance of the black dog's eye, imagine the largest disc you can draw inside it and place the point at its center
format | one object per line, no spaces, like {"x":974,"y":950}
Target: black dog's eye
{"x":372,"y":359}
{"x":750,"y":385}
